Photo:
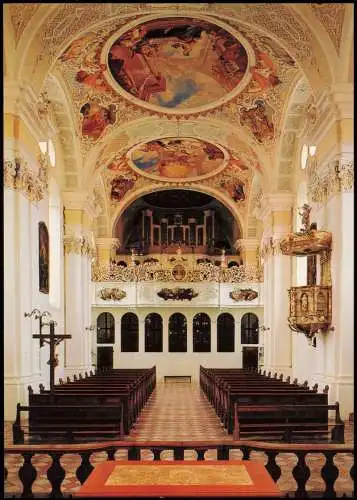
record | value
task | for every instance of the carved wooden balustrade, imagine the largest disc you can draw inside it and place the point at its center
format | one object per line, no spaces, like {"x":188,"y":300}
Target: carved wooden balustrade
{"x":300,"y":472}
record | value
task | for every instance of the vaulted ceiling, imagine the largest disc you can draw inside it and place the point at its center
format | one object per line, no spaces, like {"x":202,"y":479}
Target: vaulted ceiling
{"x":206,"y":97}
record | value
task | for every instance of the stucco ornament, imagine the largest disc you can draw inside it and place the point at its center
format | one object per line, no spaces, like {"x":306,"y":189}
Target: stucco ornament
{"x":326,"y":181}
{"x":247,"y":294}
{"x":111,"y":294}
{"x":20,"y":177}
{"x":80,"y":245}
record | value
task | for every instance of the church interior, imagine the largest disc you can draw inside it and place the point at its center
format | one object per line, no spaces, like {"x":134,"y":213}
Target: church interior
{"x":178,"y":249}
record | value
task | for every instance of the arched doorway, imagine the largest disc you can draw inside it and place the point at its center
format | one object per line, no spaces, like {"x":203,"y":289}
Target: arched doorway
{"x":177,"y":333}
{"x":129,"y":333}
{"x":225,"y":333}
{"x":105,"y":336}
{"x":153,"y":333}
{"x":250,"y":335}
{"x":201,"y":333}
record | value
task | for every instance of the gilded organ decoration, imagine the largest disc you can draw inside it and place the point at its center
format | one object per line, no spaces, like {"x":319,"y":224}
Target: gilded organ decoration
{"x":247,"y":294}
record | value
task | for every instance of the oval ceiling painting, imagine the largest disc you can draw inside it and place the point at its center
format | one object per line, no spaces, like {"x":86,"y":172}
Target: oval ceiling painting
{"x":176,"y":158}
{"x":179,"y":63}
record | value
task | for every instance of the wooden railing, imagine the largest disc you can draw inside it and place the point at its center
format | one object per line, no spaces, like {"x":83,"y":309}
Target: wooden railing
{"x":301,"y":472}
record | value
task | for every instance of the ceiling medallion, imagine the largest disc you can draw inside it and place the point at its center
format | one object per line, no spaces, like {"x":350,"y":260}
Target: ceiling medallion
{"x":177,"y":159}
{"x":178,"y":65}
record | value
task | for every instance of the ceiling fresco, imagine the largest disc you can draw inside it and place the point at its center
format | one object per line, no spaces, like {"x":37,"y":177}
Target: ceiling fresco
{"x":178,"y":63}
{"x":176,"y":158}
{"x":249,"y":83}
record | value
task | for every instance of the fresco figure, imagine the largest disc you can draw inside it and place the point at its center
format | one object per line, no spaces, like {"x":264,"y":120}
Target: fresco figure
{"x":120,"y":186}
{"x":264,"y":72}
{"x":94,"y":79}
{"x":257,"y":120}
{"x":44,"y":258}
{"x":96,"y":118}
{"x":178,"y":62}
{"x":177,"y":158}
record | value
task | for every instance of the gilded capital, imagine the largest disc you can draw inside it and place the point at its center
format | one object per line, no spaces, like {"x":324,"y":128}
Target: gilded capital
{"x":20,"y":177}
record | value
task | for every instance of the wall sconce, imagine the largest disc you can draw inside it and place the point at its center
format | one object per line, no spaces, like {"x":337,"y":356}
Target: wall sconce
{"x":90,"y":328}
{"x":264,"y":328}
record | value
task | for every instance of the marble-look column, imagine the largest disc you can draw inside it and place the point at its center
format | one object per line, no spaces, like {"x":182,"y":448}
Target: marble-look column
{"x":237,"y":339}
{"x":165,"y":333}
{"x":117,"y":344}
{"x":189,"y":318}
{"x":24,"y":205}
{"x":276,"y":214}
{"x":79,"y":251}
{"x":142,"y":334}
{"x":214,"y":336}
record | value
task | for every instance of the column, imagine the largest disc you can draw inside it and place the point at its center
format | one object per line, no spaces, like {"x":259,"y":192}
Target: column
{"x":165,"y":334}
{"x":78,"y":260}
{"x":117,"y":345}
{"x":248,"y":250}
{"x":141,"y":335}
{"x":106,"y":250}
{"x":189,"y":318}
{"x":276,"y":214}
{"x":214,"y":336}
{"x":237,"y":340}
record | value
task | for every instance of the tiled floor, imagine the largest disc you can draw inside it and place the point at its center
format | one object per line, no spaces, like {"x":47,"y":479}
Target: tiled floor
{"x":178,"y":411}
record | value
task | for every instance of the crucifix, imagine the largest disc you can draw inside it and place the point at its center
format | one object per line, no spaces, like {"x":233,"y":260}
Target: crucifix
{"x":52,"y":339}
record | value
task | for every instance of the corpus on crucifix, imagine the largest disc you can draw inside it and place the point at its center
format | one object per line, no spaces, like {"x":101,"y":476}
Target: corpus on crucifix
{"x":52,"y":339}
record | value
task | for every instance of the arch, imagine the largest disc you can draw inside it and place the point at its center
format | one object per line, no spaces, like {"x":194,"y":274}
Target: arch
{"x":249,"y":328}
{"x":105,"y":328}
{"x":225,"y":333}
{"x":201,"y":333}
{"x":151,"y":188}
{"x":129,"y":333}
{"x":177,"y":333}
{"x":153,"y":333}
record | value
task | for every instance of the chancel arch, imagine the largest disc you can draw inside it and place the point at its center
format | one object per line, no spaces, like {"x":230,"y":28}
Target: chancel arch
{"x":201,"y":333}
{"x":177,"y":333}
{"x":153,"y":333}
{"x":225,"y":332}
{"x":129,"y":332}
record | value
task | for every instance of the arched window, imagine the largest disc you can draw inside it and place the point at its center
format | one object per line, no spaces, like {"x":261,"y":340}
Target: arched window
{"x":177,"y":333}
{"x":129,"y":333}
{"x":249,"y":329}
{"x":201,"y":333}
{"x":105,"y":329}
{"x":225,"y":333}
{"x":153,"y":333}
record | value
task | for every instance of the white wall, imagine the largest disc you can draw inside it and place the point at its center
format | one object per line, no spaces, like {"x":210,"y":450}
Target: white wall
{"x":171,"y":363}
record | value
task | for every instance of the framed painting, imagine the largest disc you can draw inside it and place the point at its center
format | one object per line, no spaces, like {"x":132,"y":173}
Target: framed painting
{"x":44,"y":258}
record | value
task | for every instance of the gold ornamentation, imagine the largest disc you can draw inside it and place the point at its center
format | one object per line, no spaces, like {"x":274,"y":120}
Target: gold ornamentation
{"x":306,"y":243}
{"x":177,"y":294}
{"x":243,"y":294}
{"x":19,"y":176}
{"x":310,"y":309}
{"x":111,"y":294}
{"x":79,"y":245}
{"x":159,"y":273}
{"x":325,"y":182}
